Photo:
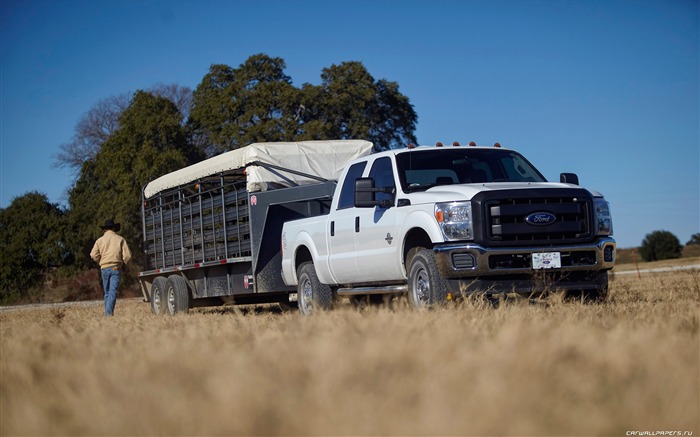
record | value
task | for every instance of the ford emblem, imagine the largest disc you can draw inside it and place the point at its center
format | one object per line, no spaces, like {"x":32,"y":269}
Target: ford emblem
{"x":541,"y":218}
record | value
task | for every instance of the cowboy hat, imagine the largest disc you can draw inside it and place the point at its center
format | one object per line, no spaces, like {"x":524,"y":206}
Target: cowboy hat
{"x":109,"y":224}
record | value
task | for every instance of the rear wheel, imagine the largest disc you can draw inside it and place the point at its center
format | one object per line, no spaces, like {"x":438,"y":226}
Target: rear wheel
{"x":158,"y":291}
{"x":426,"y":287}
{"x":312,"y":295}
{"x":178,"y":295}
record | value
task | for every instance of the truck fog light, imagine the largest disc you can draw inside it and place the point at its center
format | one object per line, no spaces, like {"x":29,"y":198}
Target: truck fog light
{"x":608,"y":254}
{"x":461,"y":261}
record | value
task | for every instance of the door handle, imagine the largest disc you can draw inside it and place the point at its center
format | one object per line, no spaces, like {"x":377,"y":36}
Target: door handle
{"x":332,"y":228}
{"x":357,"y":224}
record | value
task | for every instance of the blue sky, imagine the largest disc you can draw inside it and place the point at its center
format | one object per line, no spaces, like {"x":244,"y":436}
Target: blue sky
{"x":607,"y":89}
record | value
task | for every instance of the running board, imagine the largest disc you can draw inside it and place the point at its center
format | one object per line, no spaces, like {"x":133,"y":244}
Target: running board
{"x":394,"y":289}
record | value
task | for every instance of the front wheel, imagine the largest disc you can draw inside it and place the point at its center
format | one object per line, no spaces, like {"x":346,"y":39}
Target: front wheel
{"x":426,"y":286}
{"x":312,"y":295}
{"x":597,"y":295}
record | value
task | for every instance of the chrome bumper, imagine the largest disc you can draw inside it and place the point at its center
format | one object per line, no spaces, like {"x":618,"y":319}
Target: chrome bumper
{"x":472,"y":260}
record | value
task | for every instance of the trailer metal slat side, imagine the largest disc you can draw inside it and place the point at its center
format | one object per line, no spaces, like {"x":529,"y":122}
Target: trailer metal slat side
{"x":187,"y":226}
{"x":184,"y":232}
{"x":185,"y":267}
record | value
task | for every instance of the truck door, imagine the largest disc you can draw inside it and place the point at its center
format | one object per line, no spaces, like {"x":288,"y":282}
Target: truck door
{"x":376,"y":244}
{"x":341,"y":230}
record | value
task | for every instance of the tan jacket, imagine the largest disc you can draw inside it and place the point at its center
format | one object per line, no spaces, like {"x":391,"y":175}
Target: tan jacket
{"x":110,"y":250}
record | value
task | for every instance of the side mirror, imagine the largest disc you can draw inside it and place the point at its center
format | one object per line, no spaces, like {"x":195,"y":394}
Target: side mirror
{"x":568,"y":178}
{"x":366,"y":194}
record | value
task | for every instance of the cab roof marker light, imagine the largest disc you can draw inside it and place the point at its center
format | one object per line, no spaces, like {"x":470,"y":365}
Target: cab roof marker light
{"x":456,"y":144}
{"x":411,"y":146}
{"x":472,"y":144}
{"x":497,"y":145}
{"x":438,"y":144}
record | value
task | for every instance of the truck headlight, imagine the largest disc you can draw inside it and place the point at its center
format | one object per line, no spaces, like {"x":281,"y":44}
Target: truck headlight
{"x":455,"y":220}
{"x":602,"y":217}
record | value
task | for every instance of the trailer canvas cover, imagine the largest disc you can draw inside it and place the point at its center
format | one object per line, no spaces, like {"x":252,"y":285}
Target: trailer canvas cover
{"x":325,"y":159}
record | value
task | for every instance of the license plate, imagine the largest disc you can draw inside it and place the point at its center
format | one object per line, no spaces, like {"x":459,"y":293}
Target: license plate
{"x":546,"y":260}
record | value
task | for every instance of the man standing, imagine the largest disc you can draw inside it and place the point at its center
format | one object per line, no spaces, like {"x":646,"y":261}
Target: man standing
{"x":112,"y":254}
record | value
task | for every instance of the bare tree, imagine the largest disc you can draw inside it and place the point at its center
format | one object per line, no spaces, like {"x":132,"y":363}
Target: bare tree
{"x":181,"y":96}
{"x":92,"y":130}
{"x":96,"y":125}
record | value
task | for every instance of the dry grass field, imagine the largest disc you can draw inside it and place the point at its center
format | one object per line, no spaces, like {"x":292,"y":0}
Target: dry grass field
{"x":523,"y":368}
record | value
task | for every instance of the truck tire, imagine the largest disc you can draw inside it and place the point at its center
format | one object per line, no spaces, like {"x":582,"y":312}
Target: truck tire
{"x":426,"y":287}
{"x":158,"y":290}
{"x":312,"y":295}
{"x":597,"y":295}
{"x":178,"y":295}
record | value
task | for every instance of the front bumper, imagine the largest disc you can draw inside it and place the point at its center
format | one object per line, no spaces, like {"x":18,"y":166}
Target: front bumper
{"x":471,"y":267}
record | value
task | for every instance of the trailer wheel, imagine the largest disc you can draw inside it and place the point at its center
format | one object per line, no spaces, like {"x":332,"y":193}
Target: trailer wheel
{"x":178,"y":295}
{"x":158,"y":290}
{"x":426,"y":287}
{"x":312,"y":295}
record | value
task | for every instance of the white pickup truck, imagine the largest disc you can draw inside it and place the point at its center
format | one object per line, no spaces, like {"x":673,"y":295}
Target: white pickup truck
{"x":439,"y":223}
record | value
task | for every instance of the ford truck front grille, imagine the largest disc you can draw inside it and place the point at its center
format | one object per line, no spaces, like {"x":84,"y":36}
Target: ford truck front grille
{"x":537,"y":217}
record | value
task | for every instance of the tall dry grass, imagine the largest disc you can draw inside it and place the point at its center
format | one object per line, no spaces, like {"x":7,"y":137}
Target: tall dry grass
{"x":553,"y":368}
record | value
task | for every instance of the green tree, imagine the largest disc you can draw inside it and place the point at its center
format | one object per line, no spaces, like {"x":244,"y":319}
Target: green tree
{"x":235,"y":107}
{"x":349,"y":103}
{"x":149,"y":142}
{"x":660,"y":245}
{"x":694,"y":240}
{"x":31,"y":242}
{"x":257,"y":102}
{"x":81,"y":220}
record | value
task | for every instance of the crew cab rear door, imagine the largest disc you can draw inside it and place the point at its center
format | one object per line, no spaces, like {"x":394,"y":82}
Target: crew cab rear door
{"x":342,"y":258}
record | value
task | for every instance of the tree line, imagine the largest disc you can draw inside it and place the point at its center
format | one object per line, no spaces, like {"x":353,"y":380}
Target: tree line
{"x":125,"y":141}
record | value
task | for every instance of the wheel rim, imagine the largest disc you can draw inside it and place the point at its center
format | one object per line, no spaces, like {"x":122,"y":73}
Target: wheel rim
{"x":306,"y":296}
{"x":157,"y":301}
{"x":421,"y":287}
{"x":171,"y":300}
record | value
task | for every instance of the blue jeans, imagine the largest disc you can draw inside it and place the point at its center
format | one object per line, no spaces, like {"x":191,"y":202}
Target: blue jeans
{"x":110,"y":283}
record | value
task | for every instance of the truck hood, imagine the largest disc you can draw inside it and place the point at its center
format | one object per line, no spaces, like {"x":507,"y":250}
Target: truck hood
{"x":446,"y":193}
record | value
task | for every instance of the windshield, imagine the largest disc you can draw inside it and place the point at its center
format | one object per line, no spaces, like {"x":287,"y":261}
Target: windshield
{"x":421,"y":170}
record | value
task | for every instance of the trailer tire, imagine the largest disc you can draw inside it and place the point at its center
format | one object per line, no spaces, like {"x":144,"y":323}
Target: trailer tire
{"x":426,"y":286}
{"x":178,"y":295}
{"x":158,"y":291}
{"x":312,"y":295}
